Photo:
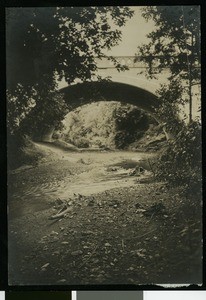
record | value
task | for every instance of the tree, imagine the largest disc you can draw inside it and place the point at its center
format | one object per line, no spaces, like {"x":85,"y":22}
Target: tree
{"x":174,"y":44}
{"x":61,"y":41}
{"x":131,"y":124}
{"x":46,"y":44}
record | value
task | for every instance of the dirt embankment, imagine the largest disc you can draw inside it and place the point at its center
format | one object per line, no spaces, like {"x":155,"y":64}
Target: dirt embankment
{"x":121,"y":227}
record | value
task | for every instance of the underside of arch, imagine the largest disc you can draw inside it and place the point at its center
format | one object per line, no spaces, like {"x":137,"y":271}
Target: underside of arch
{"x":88,"y":92}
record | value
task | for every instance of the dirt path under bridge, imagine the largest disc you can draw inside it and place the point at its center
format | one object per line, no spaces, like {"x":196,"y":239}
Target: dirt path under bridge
{"x":121,"y":226}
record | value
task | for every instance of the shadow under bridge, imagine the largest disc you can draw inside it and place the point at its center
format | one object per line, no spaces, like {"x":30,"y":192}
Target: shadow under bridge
{"x":79,"y":94}
{"x":84,"y":93}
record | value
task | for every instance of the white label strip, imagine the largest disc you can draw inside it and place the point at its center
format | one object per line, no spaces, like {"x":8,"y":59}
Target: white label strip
{"x":2,"y":295}
{"x":171,"y":295}
{"x":74,"y":295}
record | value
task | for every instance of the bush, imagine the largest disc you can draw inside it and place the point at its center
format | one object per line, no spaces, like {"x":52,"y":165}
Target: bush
{"x":103,"y":124}
{"x":131,"y":124}
{"x":32,"y":110}
{"x":181,"y":161}
{"x":82,"y":143}
{"x":21,"y":150}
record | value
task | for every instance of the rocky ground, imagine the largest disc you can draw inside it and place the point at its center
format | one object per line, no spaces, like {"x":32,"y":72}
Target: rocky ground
{"x":100,"y":218}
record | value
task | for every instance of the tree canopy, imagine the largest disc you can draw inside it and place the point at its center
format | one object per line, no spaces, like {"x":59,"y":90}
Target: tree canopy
{"x":174,"y":43}
{"x":59,"y":41}
{"x":46,"y":44}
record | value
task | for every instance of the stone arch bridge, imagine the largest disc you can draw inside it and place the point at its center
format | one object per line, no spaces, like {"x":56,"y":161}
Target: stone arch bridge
{"x":129,"y":86}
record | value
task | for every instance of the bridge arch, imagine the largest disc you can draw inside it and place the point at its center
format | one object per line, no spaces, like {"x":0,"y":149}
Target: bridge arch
{"x":87,"y":92}
{"x":79,"y":94}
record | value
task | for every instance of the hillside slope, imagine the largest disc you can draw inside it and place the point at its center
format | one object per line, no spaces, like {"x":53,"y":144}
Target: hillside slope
{"x":110,"y":125}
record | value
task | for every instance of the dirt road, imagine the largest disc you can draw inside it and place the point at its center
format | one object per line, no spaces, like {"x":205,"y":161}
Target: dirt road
{"x":115,"y":230}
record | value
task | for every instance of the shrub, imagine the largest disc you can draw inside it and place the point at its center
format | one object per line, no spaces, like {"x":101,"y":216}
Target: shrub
{"x":32,"y":110}
{"x":21,"y":150}
{"x":131,"y":124}
{"x":180,"y":162}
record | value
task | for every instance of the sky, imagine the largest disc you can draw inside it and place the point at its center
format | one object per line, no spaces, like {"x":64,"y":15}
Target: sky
{"x":133,"y":34}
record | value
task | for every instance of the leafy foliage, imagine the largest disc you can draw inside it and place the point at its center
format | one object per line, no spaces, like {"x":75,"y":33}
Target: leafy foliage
{"x":180,"y":162}
{"x":170,"y":97}
{"x":60,"y":40}
{"x":46,"y":44}
{"x":174,"y":42}
{"x":102,"y":124}
{"x":21,"y":151}
{"x":19,"y":104}
{"x":90,"y":125}
{"x":131,"y":124}
{"x":31,"y":112}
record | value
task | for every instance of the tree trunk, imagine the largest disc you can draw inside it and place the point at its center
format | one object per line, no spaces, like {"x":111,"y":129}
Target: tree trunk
{"x":190,"y":83}
{"x":190,"y":100}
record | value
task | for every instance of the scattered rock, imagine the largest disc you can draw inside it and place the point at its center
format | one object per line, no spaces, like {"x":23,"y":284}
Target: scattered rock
{"x":157,"y":208}
{"x":138,"y":205}
{"x":61,"y":281}
{"x":45,"y":266}
{"x":88,"y":232}
{"x":59,"y":202}
{"x":130,"y":269}
{"x":91,"y":202}
{"x":140,"y":210}
{"x":54,"y":233}
{"x":112,"y":169}
{"x":141,"y":170}
{"x":77,"y":252}
{"x":54,"y":239}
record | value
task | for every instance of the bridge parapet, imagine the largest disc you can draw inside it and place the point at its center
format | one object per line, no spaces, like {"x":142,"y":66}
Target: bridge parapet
{"x":129,"y":61}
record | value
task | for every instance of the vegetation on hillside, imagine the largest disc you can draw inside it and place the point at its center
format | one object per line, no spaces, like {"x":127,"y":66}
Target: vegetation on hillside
{"x":180,"y":163}
{"x":106,"y":125}
{"x":175,"y":44}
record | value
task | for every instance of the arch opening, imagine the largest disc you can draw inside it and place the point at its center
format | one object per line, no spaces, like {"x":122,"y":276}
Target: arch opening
{"x":103,"y":124}
{"x":83,"y":93}
{"x":135,"y":102}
